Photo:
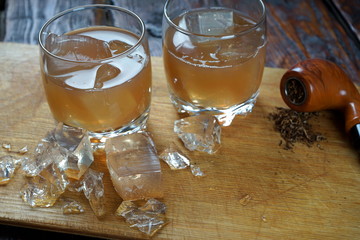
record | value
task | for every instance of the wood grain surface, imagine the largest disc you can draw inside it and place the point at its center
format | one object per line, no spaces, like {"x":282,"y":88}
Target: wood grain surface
{"x":350,"y":12}
{"x":305,"y":193}
{"x":299,"y":30}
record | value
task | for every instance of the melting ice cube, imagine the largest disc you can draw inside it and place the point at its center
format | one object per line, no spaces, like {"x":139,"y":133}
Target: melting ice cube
{"x":105,"y":73}
{"x":137,"y":57}
{"x":200,"y":132}
{"x":148,"y":218}
{"x":209,"y":22}
{"x":77,"y":47}
{"x":118,"y":47}
{"x":134,"y":166}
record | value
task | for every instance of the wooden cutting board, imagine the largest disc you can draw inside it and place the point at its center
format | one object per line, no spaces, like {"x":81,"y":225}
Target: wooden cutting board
{"x":304,"y":193}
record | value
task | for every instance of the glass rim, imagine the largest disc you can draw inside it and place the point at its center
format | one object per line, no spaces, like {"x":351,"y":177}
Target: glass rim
{"x":84,"y":7}
{"x":182,"y":30}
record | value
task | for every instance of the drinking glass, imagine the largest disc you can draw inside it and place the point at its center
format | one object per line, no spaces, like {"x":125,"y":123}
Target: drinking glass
{"x":96,"y":69}
{"x":214,"y":55}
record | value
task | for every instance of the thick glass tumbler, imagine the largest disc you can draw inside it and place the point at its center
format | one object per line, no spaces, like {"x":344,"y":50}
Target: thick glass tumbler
{"x":214,"y":55}
{"x":96,"y":69}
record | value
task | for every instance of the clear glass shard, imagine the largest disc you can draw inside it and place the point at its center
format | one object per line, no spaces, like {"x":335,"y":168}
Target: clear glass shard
{"x":105,"y":73}
{"x":76,"y":47}
{"x":75,"y":185}
{"x":84,"y":155}
{"x":174,"y":158}
{"x":71,"y":206}
{"x":7,"y":169}
{"x":36,"y":193}
{"x":93,"y":188}
{"x":76,"y":143}
{"x":43,"y":145}
{"x":126,"y":208}
{"x":7,"y":146}
{"x":134,"y":166}
{"x":44,"y":189}
{"x":153,"y":205}
{"x":196,"y":171}
{"x":56,"y":177}
{"x":66,"y":136}
{"x":45,"y":154}
{"x":149,"y":218}
{"x":70,"y":166}
{"x":23,"y":150}
{"x":200,"y":132}
{"x":64,"y":152}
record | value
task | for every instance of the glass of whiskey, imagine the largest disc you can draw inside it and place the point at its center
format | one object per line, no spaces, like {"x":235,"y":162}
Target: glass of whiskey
{"x":214,"y":55}
{"x":96,"y":69}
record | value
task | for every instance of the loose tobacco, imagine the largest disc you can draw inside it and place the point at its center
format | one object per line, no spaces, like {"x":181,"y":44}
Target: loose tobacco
{"x":294,"y":127}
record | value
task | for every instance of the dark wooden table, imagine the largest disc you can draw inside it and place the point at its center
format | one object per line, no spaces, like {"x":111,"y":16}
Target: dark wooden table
{"x":297,"y":30}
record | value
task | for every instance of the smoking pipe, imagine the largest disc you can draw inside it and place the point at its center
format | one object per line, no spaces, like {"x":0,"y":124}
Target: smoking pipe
{"x":315,"y":85}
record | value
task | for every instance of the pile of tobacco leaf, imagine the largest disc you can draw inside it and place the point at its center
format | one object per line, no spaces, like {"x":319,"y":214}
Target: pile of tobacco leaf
{"x":294,"y":127}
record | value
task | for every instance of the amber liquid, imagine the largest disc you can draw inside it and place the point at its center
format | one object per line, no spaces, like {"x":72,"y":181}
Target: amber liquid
{"x":78,"y":98}
{"x":213,"y":72}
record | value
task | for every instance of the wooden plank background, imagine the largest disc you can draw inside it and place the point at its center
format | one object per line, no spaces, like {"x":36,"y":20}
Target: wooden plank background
{"x":297,"y":30}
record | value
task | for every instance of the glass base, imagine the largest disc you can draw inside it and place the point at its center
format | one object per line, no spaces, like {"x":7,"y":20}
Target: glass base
{"x":135,"y":126}
{"x":224,"y":116}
